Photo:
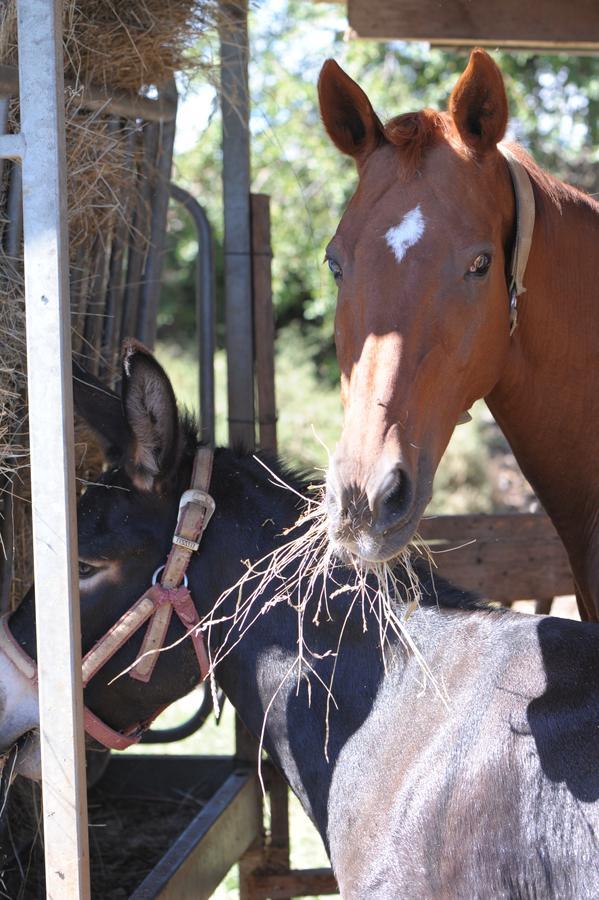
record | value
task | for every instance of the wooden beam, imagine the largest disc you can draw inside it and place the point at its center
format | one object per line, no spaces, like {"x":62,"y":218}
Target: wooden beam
{"x":551,"y":24}
{"x":201,"y":857}
{"x":502,"y":557}
{"x":118,"y":103}
{"x":294,"y":883}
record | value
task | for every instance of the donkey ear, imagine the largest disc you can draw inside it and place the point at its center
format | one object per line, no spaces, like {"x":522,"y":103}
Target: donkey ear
{"x":347,"y":113}
{"x":478,"y":103}
{"x":151,"y":412}
{"x":102,"y":411}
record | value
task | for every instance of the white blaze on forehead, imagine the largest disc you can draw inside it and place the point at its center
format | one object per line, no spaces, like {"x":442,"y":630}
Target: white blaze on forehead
{"x":409,"y":231}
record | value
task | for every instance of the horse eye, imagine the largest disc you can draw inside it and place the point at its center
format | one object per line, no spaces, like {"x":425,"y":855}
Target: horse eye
{"x":480,"y":266}
{"x":335,"y":268}
{"x":86,"y":570}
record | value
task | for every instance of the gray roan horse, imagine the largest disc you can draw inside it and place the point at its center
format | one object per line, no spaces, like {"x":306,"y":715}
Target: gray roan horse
{"x":490,"y":793}
{"x":422,"y":257}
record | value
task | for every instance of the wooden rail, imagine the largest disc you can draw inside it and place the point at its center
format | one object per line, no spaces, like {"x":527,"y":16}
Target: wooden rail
{"x":514,"y":556}
{"x":550,"y":25}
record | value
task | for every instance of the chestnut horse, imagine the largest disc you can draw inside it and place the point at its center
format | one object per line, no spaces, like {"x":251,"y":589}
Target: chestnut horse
{"x":422,"y":258}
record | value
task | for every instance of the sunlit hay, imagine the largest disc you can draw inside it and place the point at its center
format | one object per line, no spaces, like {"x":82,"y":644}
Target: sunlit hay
{"x":108,"y":43}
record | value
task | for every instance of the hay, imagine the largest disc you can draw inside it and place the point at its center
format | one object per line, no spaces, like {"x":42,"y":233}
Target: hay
{"x":128,"y":837}
{"x":108,"y":44}
{"x":124,"y":46}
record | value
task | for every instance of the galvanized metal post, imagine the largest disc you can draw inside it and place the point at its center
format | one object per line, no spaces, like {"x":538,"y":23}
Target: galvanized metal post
{"x":237,"y":241}
{"x":52,"y":455}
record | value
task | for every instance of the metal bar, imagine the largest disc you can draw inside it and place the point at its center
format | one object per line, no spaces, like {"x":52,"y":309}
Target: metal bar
{"x":118,"y":103}
{"x":14,"y":209}
{"x":52,"y":451}
{"x":4,"y":111}
{"x":138,"y":246}
{"x":179,"y":732}
{"x":205,"y":308}
{"x":7,"y":537}
{"x":161,"y":176}
{"x":118,"y":267}
{"x":236,"y":201}
{"x":94,"y":317}
{"x":198,"y":861}
{"x":264,"y":323}
{"x":79,"y":284}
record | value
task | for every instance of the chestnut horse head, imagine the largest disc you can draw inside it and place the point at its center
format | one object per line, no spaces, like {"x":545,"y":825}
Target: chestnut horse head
{"x":420,"y":258}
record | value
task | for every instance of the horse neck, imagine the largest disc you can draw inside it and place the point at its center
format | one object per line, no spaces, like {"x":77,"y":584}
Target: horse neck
{"x":547,"y":400}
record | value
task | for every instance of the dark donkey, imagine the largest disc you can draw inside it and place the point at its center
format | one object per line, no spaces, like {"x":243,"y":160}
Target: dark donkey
{"x":491,"y":794}
{"x":423,"y":259}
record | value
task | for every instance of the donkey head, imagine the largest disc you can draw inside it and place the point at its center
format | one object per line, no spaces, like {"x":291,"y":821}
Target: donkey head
{"x":422,"y":322}
{"x":125,"y":521}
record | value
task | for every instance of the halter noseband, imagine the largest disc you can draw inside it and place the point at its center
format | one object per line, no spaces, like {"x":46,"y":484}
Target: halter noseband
{"x":155,"y":606}
{"x":525,"y":223}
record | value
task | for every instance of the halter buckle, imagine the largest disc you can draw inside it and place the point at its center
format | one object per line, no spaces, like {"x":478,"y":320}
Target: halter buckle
{"x":202,"y":498}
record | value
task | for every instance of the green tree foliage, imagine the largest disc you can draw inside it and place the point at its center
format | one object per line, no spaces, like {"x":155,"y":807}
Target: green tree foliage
{"x":554,"y":102}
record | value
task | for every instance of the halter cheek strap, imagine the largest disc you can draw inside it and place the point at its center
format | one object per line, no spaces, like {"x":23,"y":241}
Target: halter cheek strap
{"x":155,"y":606}
{"x":525,"y":223}
{"x":195,"y":511}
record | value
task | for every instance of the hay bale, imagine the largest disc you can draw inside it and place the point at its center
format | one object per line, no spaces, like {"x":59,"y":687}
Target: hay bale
{"x":115,"y":46}
{"x":127,"y":46}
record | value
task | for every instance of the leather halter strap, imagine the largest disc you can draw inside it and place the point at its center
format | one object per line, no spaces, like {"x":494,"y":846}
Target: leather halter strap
{"x":156,"y":605}
{"x":195,"y":511}
{"x":525,"y":223}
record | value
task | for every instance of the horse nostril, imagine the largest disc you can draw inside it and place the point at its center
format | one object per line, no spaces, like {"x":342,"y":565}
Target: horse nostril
{"x":394,"y":498}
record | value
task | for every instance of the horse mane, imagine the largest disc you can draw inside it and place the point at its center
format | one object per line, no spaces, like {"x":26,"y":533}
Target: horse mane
{"x":413,"y":133}
{"x":556,"y":191}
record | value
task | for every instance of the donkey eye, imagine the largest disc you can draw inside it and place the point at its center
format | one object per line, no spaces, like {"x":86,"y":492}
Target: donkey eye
{"x":480,"y":265}
{"x":335,"y":269}
{"x":86,"y":570}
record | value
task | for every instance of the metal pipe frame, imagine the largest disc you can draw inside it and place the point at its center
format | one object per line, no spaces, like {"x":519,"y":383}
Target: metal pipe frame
{"x":205,"y":308}
{"x":185,"y":729}
{"x":41,"y":146}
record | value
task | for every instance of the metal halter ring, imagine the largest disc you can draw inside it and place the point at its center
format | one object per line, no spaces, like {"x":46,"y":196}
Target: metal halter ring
{"x":159,"y":570}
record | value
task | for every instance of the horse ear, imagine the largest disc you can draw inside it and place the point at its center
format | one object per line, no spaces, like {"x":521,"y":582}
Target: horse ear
{"x":478,"y":103}
{"x":151,"y":413}
{"x":102,"y":411}
{"x":347,"y":113}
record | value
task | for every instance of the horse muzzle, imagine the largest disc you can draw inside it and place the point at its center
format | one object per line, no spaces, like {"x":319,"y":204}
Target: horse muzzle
{"x":374,"y":523}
